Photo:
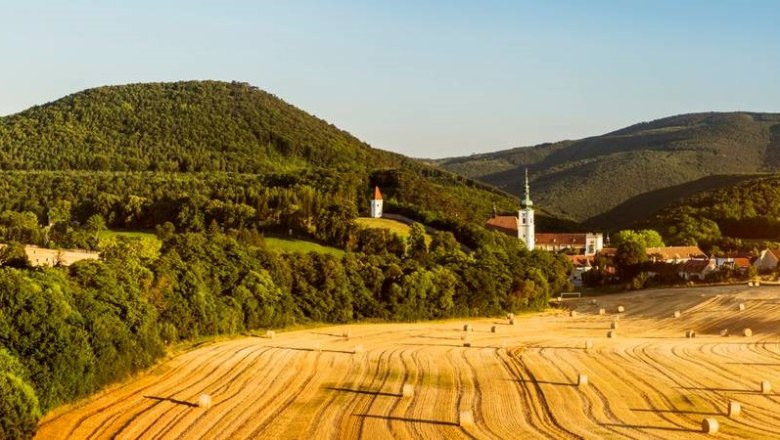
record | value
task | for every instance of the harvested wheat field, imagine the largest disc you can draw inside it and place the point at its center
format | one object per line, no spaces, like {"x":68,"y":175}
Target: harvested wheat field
{"x":647,"y":381}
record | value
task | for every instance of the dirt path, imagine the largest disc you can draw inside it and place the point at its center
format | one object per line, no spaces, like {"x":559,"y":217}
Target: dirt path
{"x":520,"y":382}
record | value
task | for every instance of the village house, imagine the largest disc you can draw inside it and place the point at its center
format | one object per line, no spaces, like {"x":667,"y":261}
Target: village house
{"x":667,"y":254}
{"x":767,"y":260}
{"x":696,"y":269}
{"x":523,"y":227}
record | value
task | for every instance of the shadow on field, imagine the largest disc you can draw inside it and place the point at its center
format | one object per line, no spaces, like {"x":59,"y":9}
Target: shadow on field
{"x":404,"y":419}
{"x":543,"y":382}
{"x":677,"y":411}
{"x":660,"y":428}
{"x":335,"y":335}
{"x":169,"y":399}
{"x":314,"y":349}
{"x":730,"y":390}
{"x":368,"y":392}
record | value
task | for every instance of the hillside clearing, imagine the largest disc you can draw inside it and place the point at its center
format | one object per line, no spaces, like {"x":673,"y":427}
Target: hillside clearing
{"x":648,"y":382}
{"x":285,"y":244}
{"x":395,"y":226}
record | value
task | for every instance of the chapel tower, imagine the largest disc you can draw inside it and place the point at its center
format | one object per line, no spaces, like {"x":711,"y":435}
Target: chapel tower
{"x":525,"y":221}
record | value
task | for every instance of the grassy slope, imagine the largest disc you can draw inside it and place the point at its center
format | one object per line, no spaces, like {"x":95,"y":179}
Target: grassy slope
{"x":394,"y":226}
{"x":284,"y":244}
{"x":585,"y":178}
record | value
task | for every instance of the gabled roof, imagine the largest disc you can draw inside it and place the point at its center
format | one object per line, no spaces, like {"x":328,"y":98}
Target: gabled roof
{"x":676,"y":252}
{"x":559,"y":239}
{"x":775,"y":252}
{"x":581,"y":260}
{"x":666,"y":253}
{"x":695,"y":266}
{"x":377,"y":194}
{"x":503,"y":223}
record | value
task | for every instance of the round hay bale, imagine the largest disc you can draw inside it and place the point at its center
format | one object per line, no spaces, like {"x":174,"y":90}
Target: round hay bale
{"x":621,"y":309}
{"x":588,"y":344}
{"x":504,"y":344}
{"x":676,"y":313}
{"x":572,"y":313}
{"x":204,"y":401}
{"x":467,"y":328}
{"x":270,"y":334}
{"x":593,"y":302}
{"x":582,"y":380}
{"x":741,"y":307}
{"x":750,"y":284}
{"x":757,"y":284}
{"x":614,"y":325}
{"x":359,"y":349}
{"x":747,"y":332}
{"x":735,"y":409}
{"x":318,"y":346}
{"x":510,"y":316}
{"x":724,"y":332}
{"x":407,"y":390}
{"x":602,"y":312}
{"x":690,"y":334}
{"x":710,"y":425}
{"x":766,"y":387}
{"x":493,"y":329}
{"x":611,"y":334}
{"x":466,"y":418}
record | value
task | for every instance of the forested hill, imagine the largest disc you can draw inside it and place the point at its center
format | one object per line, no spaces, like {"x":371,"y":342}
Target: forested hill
{"x":746,"y":210}
{"x":588,"y":177}
{"x":201,"y":151}
{"x":183,"y":126}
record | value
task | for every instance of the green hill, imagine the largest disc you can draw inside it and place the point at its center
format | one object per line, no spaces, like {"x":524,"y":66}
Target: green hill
{"x":588,"y":178}
{"x":198,"y":152}
{"x":746,"y":209}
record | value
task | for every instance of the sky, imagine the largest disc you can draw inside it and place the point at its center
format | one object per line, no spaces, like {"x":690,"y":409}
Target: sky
{"x":426,"y":78}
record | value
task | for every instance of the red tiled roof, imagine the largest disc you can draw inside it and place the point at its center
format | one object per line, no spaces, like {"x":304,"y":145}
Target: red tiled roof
{"x":503,"y":223}
{"x":377,"y":194}
{"x":741,"y":262}
{"x":676,"y":252}
{"x":581,"y":260}
{"x":775,"y":252}
{"x":559,"y":239}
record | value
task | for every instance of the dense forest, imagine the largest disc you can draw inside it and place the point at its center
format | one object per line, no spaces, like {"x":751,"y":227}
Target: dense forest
{"x":212,"y":168}
{"x":570,"y":178}
{"x":748,"y":211}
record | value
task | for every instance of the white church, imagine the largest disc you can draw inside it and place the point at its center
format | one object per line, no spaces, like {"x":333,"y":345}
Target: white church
{"x":523,"y":226}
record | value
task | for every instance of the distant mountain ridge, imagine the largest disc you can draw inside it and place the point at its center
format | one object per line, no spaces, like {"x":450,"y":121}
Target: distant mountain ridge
{"x":586,"y":179}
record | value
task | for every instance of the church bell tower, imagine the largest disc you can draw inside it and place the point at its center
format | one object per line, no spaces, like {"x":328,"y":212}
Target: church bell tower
{"x":525,"y":223}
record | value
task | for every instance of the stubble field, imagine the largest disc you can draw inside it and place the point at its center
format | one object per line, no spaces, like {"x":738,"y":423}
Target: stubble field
{"x":519,"y":382}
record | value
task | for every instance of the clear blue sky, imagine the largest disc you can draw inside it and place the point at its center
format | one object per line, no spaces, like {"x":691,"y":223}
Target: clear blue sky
{"x":424,"y":78}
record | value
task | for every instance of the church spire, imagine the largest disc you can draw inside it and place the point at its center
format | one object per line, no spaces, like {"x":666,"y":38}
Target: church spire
{"x":526,"y":202}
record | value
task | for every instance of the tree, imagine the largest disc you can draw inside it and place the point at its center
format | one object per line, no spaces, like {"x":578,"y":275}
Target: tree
{"x":95,"y":225}
{"x":646,"y":237}
{"x":628,"y":256}
{"x":416,"y":240}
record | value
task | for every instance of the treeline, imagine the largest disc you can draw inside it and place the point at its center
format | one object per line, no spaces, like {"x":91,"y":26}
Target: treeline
{"x":317,"y":203}
{"x":66,"y":332}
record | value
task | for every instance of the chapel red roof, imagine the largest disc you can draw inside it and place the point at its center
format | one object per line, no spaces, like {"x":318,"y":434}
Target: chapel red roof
{"x":377,"y":194}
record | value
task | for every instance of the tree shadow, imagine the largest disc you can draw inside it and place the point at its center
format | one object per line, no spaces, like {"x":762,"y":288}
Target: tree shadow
{"x":729,"y":390}
{"x":660,"y":428}
{"x":544,"y":382}
{"x":760,"y":364}
{"x":405,"y":419}
{"x":335,"y":335}
{"x":367,"y":392}
{"x":172,"y":400}
{"x":676,"y":411}
{"x":314,"y":349}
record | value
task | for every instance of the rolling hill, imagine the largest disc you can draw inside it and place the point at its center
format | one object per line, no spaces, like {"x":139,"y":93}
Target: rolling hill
{"x":231,"y":142}
{"x":588,"y":179}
